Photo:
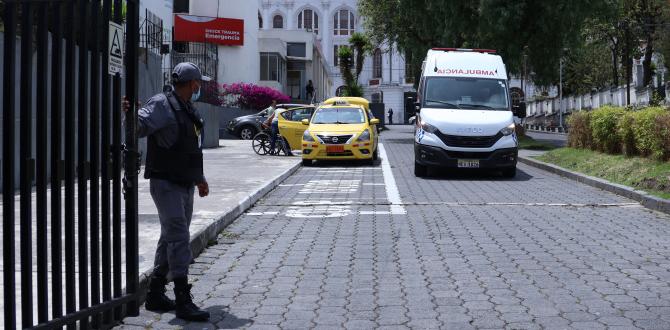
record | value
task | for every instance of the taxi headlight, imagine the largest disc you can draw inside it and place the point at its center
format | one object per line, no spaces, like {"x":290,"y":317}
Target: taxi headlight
{"x":307,"y":137}
{"x":365,"y":136}
{"x":508,"y":130}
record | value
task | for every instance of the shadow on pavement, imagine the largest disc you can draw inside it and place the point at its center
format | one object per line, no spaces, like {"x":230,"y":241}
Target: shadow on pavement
{"x":218,"y":316}
{"x":475,"y":175}
{"x":345,"y":163}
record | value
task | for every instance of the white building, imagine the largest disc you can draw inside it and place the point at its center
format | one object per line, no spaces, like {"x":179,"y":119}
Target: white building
{"x":333,"y":22}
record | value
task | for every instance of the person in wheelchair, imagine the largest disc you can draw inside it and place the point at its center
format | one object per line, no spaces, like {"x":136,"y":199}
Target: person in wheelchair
{"x":274,"y":129}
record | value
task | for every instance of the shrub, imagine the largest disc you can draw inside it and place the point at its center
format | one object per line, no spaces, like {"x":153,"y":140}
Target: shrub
{"x":604,"y":129}
{"x":250,"y":96}
{"x":662,"y":144}
{"x":626,"y":131}
{"x":647,"y":140}
{"x":580,"y":135}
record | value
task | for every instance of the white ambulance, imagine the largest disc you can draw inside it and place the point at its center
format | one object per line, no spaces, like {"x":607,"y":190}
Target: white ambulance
{"x":464,"y":114}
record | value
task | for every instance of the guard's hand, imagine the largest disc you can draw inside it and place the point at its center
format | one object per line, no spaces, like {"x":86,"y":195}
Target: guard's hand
{"x":203,"y":189}
{"x":125,"y":104}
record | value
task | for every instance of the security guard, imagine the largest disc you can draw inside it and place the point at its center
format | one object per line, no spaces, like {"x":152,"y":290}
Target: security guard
{"x":174,"y":167}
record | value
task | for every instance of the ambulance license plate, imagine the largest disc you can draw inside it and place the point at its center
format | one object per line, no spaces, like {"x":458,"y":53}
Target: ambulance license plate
{"x":335,"y":149}
{"x":468,"y":163}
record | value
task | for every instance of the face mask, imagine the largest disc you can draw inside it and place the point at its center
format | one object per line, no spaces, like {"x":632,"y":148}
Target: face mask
{"x":195,"y":96}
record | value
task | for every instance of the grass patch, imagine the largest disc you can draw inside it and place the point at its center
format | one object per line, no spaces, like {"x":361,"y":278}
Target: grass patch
{"x":527,"y":142}
{"x":640,"y":173}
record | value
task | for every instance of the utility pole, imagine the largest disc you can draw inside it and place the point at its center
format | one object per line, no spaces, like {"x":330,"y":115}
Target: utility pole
{"x":524,"y":78}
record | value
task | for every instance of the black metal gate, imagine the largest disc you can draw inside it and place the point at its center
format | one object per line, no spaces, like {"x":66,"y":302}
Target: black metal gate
{"x":58,"y":94}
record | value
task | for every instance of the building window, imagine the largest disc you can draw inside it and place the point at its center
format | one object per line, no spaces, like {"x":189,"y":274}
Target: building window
{"x":343,"y":22}
{"x":296,"y":49}
{"x":272,"y":67}
{"x":260,"y":20}
{"x":278,"y":22}
{"x":308,"y":19}
{"x":377,"y":64}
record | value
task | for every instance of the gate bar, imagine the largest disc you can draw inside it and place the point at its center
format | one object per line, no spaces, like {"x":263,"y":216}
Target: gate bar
{"x":41,"y":182}
{"x":8,"y":148}
{"x":56,"y":163}
{"x":83,"y":167}
{"x":26,"y":166}
{"x":70,"y":271}
{"x":106,"y":166}
{"x":116,"y":183}
{"x":132,"y":157}
{"x":95,"y":159}
{"x":74,"y":317}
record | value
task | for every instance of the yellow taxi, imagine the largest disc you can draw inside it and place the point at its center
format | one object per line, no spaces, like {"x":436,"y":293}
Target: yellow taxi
{"x":290,"y":123}
{"x":342,"y":128}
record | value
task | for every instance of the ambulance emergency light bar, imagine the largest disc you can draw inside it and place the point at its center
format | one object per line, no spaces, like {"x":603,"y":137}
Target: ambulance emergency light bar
{"x":478,"y":50}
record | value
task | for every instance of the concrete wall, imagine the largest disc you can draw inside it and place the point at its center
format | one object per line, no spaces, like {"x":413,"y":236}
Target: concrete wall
{"x":226,"y":114}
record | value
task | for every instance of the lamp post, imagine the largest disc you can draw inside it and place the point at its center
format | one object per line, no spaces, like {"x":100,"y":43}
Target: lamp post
{"x":560,"y":94}
{"x":560,"y":90}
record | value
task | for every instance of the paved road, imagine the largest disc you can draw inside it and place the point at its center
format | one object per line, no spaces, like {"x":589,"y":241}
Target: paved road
{"x":557,"y":139}
{"x":358,"y":247}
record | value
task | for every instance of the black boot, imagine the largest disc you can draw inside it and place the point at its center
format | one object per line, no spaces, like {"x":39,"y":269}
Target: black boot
{"x":185,"y":308}
{"x":157,"y":301}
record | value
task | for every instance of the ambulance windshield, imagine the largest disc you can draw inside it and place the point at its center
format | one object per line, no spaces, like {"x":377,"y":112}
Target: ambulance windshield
{"x":465,"y":93}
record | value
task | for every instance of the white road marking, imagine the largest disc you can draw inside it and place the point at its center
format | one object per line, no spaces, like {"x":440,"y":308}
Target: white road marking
{"x":375,"y":212}
{"x":331,"y":187}
{"x":392,"y":192}
{"x":324,"y":211}
{"x":291,"y":184}
{"x":373,"y":184}
{"x":263,"y":213}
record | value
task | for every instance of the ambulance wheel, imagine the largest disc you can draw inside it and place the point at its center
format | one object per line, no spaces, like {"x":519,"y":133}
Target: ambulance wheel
{"x":306,"y":162}
{"x":420,"y":171}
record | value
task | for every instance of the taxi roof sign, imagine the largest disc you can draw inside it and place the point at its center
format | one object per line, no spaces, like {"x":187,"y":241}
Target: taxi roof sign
{"x":349,"y":101}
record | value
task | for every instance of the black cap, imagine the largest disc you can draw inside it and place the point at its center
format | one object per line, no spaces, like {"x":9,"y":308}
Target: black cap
{"x":187,"y":71}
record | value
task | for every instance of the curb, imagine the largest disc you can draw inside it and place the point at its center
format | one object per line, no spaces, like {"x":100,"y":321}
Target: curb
{"x":644,"y":198}
{"x":201,"y":239}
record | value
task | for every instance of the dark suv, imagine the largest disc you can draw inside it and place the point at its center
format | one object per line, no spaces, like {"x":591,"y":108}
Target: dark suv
{"x":245,"y":127}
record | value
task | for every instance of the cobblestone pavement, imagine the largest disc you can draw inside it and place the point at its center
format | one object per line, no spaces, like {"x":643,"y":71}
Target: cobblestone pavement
{"x":336,"y":246}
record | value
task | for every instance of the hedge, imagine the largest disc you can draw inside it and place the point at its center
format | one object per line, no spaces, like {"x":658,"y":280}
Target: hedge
{"x":614,"y":130}
{"x":603,"y":126}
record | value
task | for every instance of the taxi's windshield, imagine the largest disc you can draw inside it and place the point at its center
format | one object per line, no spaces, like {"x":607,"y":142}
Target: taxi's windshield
{"x":465,"y":93}
{"x":339,"y":116}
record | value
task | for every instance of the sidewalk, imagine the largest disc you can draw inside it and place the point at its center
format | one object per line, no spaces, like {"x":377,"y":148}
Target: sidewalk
{"x":237,"y":179}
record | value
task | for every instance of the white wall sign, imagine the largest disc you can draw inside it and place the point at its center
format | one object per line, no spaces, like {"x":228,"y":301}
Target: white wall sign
{"x":115,"y":49}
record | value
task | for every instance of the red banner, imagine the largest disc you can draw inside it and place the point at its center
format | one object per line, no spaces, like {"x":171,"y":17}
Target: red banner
{"x":222,"y":31}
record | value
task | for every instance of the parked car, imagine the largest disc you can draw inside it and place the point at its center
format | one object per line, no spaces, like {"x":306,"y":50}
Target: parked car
{"x":245,"y":127}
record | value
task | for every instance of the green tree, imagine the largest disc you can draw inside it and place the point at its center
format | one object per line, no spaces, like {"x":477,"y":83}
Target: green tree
{"x":351,"y":60}
{"x":587,"y":67}
{"x":649,"y":16}
{"x":544,"y":26}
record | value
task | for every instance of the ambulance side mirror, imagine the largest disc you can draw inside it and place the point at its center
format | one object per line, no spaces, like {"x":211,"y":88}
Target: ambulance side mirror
{"x":417,"y":107}
{"x":519,"y":110}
